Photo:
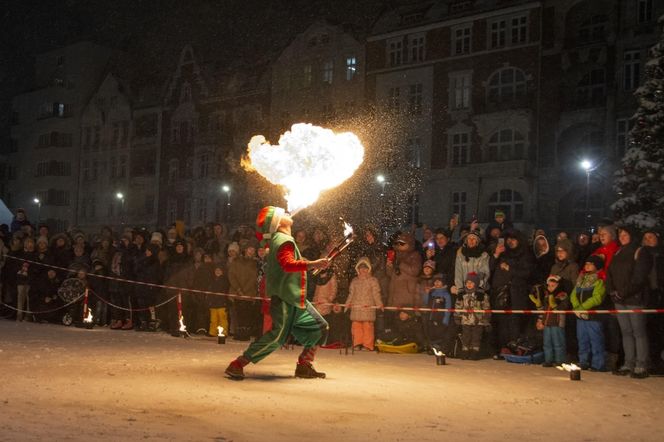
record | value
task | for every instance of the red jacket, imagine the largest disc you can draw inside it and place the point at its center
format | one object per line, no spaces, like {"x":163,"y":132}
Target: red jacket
{"x":606,"y":252}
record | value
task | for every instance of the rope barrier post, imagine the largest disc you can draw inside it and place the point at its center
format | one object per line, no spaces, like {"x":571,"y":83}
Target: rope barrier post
{"x":87,"y":313}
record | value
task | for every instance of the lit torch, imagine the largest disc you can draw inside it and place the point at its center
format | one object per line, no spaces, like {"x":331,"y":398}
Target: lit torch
{"x":440,"y":356}
{"x":307,"y":161}
{"x":573,"y":369}
{"x":87,"y":313}
{"x":183,"y":328}
{"x":221,"y":337}
{"x":341,"y":245}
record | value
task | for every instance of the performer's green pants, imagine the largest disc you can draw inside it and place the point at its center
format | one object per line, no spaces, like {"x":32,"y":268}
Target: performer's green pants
{"x":306,"y":325}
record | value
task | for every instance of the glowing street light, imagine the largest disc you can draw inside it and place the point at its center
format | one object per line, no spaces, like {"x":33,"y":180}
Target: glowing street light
{"x":121,"y":197}
{"x":587,"y":165}
{"x":38,"y":202}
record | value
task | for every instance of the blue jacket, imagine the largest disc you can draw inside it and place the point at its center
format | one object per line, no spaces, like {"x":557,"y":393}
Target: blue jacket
{"x":440,"y":298}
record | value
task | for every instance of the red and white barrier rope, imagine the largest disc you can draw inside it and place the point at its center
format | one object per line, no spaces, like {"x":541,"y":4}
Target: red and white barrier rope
{"x":389,"y":308}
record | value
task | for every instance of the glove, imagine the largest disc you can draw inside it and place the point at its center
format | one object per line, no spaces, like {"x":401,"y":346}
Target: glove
{"x":536,"y":300}
{"x":552,"y":302}
{"x":616,"y":297}
{"x":581,"y":315}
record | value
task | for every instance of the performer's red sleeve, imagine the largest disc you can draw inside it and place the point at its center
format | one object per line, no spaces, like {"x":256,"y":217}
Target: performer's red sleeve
{"x":287,"y":261}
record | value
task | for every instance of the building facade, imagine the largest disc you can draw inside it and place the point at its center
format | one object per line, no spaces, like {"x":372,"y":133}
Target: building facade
{"x":43,"y":164}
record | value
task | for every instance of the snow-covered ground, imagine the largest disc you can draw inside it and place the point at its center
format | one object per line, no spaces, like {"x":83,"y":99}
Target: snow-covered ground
{"x":59,"y":383}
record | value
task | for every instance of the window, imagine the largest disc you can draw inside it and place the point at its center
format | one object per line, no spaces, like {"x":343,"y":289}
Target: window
{"x":172,"y":211}
{"x":393,"y":100}
{"x":506,"y":145}
{"x":113,"y":166}
{"x":623,"y":126}
{"x":53,"y":168}
{"x":307,"y":76}
{"x":498,"y":29}
{"x":186,"y":132}
{"x":328,"y":71}
{"x":644,"y":11}
{"x":116,"y":134}
{"x":414,"y":153}
{"x":87,"y":137}
{"x":460,"y":149}
{"x":122,"y":167}
{"x":124,"y":137}
{"x":351,"y":67}
{"x":459,"y":200}
{"x":415,"y":99}
{"x":460,"y":90}
{"x":509,"y":201}
{"x":462,"y":37}
{"x":203,"y":166}
{"x":592,"y":29}
{"x":396,"y":52}
{"x":173,"y":171}
{"x":631,"y":70}
{"x":519,"y":29}
{"x":186,"y":93}
{"x":95,"y":170}
{"x":507,"y":84}
{"x":416,"y":47}
{"x":590,"y":92}
{"x":148,"y":205}
{"x":202,"y":210}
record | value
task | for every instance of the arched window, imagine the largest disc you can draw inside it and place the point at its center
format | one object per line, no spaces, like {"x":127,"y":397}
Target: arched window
{"x":592,"y":29}
{"x":510,"y":201}
{"x":507,"y":84}
{"x":590,"y":92}
{"x":506,"y":144}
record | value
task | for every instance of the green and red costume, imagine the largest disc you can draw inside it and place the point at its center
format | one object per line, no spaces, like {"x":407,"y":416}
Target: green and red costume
{"x":292,"y":313}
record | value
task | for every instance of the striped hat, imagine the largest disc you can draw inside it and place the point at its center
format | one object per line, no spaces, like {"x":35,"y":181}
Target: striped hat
{"x":267,"y":222}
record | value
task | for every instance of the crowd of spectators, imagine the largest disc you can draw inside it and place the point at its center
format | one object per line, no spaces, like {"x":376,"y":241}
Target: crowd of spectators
{"x":461,"y":266}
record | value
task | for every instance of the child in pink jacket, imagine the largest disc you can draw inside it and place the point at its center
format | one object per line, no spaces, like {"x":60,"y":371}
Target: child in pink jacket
{"x":362,"y":301}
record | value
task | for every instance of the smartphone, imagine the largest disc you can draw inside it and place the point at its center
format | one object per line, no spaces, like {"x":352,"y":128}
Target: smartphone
{"x":501,"y":241}
{"x":430,"y":244}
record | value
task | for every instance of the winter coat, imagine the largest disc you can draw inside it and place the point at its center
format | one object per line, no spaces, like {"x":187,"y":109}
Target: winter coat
{"x":521,"y":266}
{"x":219,"y":285}
{"x":627,"y":278}
{"x":445,"y":260}
{"x":243,"y":276}
{"x":404,"y":274}
{"x":543,"y":261}
{"x":439,"y":298}
{"x":606,"y":252}
{"x":148,"y":269}
{"x":27,"y":272}
{"x":325,"y":294}
{"x":557,"y":300}
{"x":568,"y":270}
{"x":471,"y":260}
{"x":589,"y":293}
{"x":363,"y":291}
{"x":16,"y":224}
{"x":476,"y":300}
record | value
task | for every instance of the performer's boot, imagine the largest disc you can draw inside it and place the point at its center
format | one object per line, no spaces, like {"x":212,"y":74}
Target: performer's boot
{"x":235,"y":369}
{"x":304,"y":369}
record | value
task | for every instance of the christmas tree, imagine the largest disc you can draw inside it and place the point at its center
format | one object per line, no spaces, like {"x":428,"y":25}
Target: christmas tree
{"x":640,"y":183}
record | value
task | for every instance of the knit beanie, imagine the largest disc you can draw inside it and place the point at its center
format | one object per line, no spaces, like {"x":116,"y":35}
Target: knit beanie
{"x":596,"y":260}
{"x":472,"y":276}
{"x":553,"y":278}
{"x":267,"y":222}
{"x":429,"y":263}
{"x":499,"y":212}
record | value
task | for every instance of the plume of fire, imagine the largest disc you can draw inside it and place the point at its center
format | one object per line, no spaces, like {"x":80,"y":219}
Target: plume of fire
{"x":437,"y":352}
{"x":307,"y":161}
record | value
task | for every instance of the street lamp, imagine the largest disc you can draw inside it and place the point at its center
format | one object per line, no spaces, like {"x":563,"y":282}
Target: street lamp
{"x":588,"y":166}
{"x":381,"y":180}
{"x":38,"y":202}
{"x":121,"y":197}
{"x":227,"y":189}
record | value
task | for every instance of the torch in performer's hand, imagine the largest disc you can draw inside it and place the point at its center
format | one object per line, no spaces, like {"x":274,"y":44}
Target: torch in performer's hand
{"x":339,"y":247}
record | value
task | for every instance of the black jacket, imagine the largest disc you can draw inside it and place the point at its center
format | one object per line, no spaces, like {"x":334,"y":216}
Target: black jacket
{"x":521,"y":266}
{"x":445,"y":259}
{"x":627,"y":277}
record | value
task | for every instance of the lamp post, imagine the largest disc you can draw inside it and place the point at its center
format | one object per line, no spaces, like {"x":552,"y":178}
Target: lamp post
{"x":38,"y":202}
{"x":121,"y":197}
{"x":227,"y":189}
{"x":588,"y":167}
{"x":381,"y":180}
